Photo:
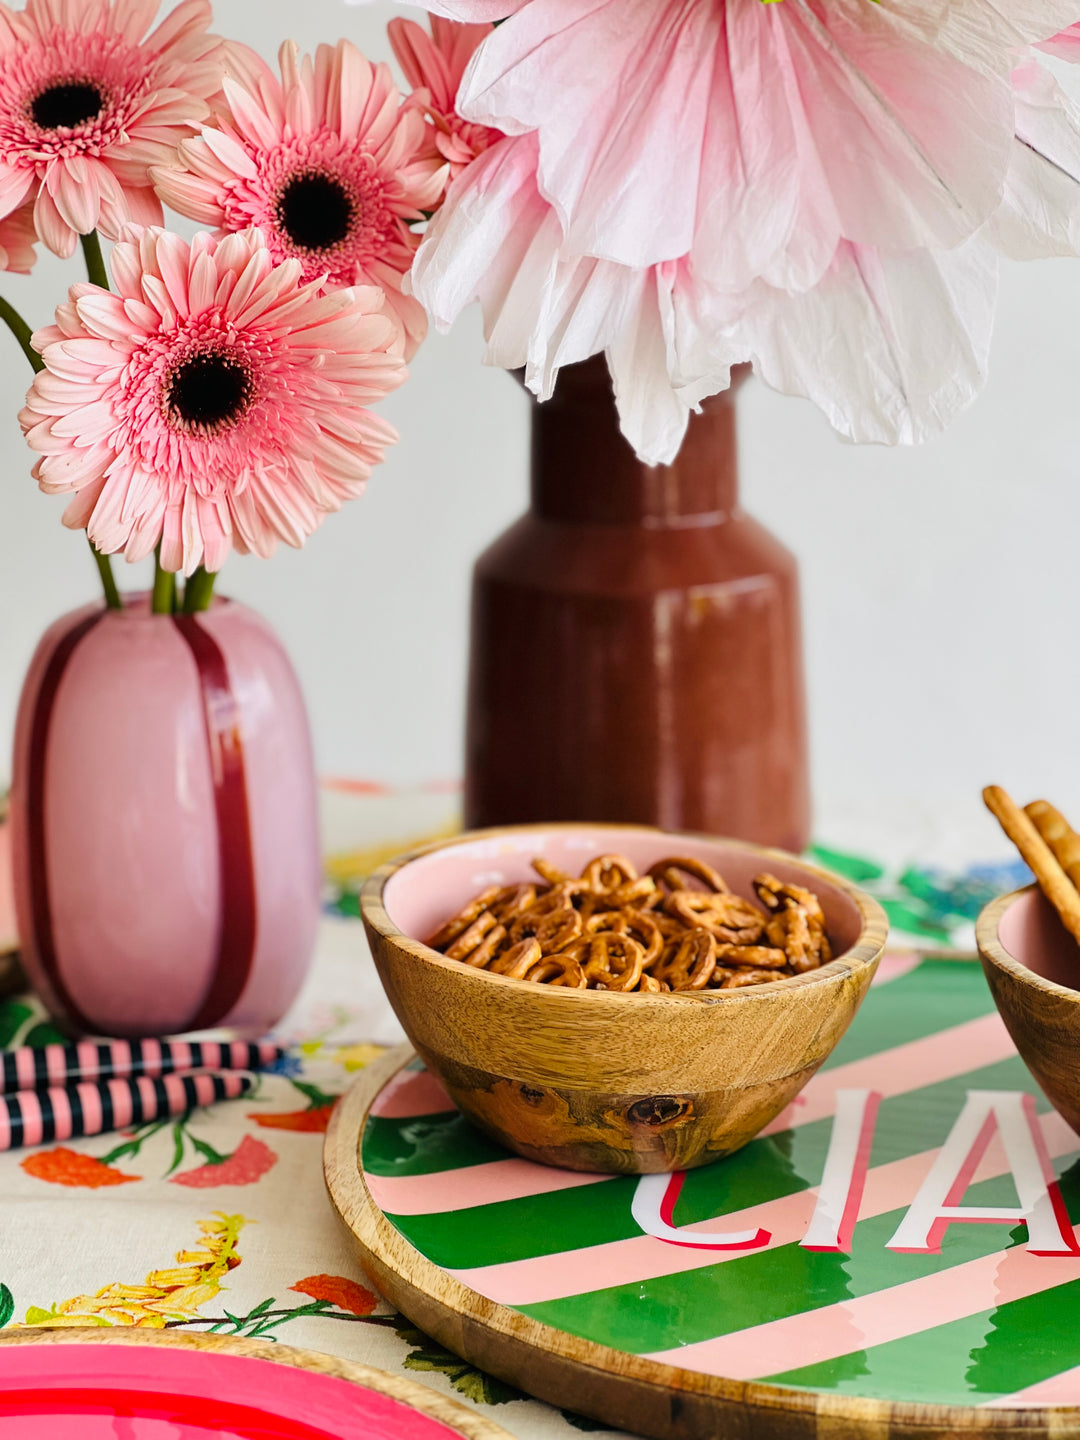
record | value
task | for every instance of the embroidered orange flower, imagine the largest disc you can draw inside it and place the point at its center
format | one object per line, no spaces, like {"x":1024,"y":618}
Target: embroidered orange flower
{"x":345,"y":1294}
{"x":68,"y":1167}
{"x":312,"y":1121}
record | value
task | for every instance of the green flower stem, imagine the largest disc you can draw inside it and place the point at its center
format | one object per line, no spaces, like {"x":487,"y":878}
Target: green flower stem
{"x":95,"y":261}
{"x":22,"y":332}
{"x":164,"y":601}
{"x":199,"y":591}
{"x":108,"y":579}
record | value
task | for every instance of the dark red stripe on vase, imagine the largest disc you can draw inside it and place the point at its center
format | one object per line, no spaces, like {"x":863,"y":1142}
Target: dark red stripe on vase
{"x":236,"y":864}
{"x":36,"y":844}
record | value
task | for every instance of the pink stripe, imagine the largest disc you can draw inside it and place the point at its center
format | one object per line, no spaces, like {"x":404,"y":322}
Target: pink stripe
{"x":181,"y":1054}
{"x":24,"y":1068}
{"x":55,"y":1065}
{"x":120,"y":1053}
{"x":123,"y":1108}
{"x":88,"y":1061}
{"x":144,"y":1087}
{"x":153,"y":1057}
{"x":412,"y":1093}
{"x":1063,"y":1389}
{"x":475,"y":1185}
{"x":5,"y":1122}
{"x":624,"y":1262}
{"x":93,"y":1115}
{"x":868,"y":1320}
{"x":893,"y":966}
{"x":33,"y":1123}
{"x":929,"y":1061}
{"x":61,"y":1107}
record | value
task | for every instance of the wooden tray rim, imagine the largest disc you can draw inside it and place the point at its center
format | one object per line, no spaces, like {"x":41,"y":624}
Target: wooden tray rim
{"x":421,"y":1288}
{"x":409,"y":1392}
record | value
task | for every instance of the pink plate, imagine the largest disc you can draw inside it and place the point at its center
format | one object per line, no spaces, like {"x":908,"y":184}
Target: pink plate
{"x":57,"y":1391}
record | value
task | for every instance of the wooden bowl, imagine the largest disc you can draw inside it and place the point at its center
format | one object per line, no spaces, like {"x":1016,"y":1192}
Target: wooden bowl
{"x":1032,"y":965}
{"x":588,"y":1079}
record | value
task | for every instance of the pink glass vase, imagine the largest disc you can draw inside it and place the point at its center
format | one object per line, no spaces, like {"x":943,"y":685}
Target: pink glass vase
{"x":163,"y":808}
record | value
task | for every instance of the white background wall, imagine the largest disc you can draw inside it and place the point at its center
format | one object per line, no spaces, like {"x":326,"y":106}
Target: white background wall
{"x":942,"y":587}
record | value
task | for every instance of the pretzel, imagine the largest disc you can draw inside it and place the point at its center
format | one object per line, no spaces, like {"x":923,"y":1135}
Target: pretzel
{"x":1059,"y":835}
{"x":463,"y":919}
{"x":486,"y":950}
{"x":1055,"y":884}
{"x":728,"y":918}
{"x":740,"y":978}
{"x":610,"y":961}
{"x":549,"y":872}
{"x":558,"y":970}
{"x":512,"y":901}
{"x":677,"y":928}
{"x":518,"y":960}
{"x":668,"y":872}
{"x":608,"y":872}
{"x":687,"y":964}
{"x":469,"y":939}
{"x":759,"y":957}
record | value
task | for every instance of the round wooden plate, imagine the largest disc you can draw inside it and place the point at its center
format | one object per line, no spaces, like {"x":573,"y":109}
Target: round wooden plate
{"x":594,"y":1295}
{"x":96,"y":1384}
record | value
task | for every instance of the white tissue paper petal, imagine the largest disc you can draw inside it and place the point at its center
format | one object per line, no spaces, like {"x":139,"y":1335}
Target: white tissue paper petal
{"x":891,"y":346}
{"x":1040,"y":216}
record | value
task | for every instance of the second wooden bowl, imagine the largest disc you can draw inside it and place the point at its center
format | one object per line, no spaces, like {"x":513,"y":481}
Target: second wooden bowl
{"x":591,"y":1080}
{"x":1032,"y":965}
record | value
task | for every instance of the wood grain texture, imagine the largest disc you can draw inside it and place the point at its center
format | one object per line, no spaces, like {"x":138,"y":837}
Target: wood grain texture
{"x":1042,"y":1016}
{"x":466,"y":1422}
{"x":623,"y":1084}
{"x":625,"y":1391}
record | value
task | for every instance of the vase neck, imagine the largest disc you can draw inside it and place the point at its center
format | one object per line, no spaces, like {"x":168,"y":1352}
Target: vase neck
{"x":584,"y":470}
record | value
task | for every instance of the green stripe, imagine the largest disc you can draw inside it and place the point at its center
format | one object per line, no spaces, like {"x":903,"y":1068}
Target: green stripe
{"x":764,"y":1170}
{"x":936,"y":996}
{"x":968,"y":1362}
{"x":770,"y":1285}
{"x":424,"y":1145}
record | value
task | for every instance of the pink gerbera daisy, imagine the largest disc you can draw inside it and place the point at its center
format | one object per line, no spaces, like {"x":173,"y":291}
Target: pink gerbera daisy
{"x":17,"y":236}
{"x":214,"y":402}
{"x":327,"y":161}
{"x":87,"y":104}
{"x":435,"y":64}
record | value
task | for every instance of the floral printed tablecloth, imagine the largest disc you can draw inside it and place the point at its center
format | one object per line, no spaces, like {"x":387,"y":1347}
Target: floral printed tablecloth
{"x":220,"y":1221}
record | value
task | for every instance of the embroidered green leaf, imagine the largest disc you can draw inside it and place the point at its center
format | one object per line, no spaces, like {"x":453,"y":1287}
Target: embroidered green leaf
{"x":318,"y":1098}
{"x":212,"y":1156}
{"x":852,"y":867}
{"x":44,"y":1034}
{"x":7,"y":1305}
{"x":465,"y":1378}
{"x":13,"y":1016}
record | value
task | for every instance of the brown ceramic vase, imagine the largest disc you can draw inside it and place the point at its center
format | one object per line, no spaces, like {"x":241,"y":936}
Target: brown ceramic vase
{"x":636,"y":649}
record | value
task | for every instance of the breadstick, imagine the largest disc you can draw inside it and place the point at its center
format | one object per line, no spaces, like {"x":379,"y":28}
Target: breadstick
{"x":1059,"y":835}
{"x":1055,"y":884}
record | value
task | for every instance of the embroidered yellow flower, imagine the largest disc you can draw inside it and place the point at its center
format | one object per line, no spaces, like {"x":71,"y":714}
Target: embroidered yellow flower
{"x":173,"y":1294}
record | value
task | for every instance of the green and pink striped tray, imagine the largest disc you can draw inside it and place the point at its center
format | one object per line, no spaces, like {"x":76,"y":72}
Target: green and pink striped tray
{"x":903,"y":1233}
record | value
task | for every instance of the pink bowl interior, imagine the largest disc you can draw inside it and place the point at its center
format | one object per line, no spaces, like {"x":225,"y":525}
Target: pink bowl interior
{"x":427,"y":891}
{"x":1031,"y":932}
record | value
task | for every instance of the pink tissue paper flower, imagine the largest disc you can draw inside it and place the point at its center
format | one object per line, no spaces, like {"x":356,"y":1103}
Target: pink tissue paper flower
{"x":326,"y":160}
{"x":89,"y":101}
{"x":214,"y":402}
{"x":434,"y":66}
{"x":814,"y":187}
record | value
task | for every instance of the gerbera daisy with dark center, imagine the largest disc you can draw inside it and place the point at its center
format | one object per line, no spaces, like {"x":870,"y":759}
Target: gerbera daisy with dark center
{"x":435,"y":66}
{"x":215,"y":402}
{"x":88,"y":101}
{"x":326,"y":160}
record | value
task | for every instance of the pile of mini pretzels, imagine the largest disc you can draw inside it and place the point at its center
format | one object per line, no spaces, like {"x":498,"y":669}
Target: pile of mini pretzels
{"x":678,"y":927}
